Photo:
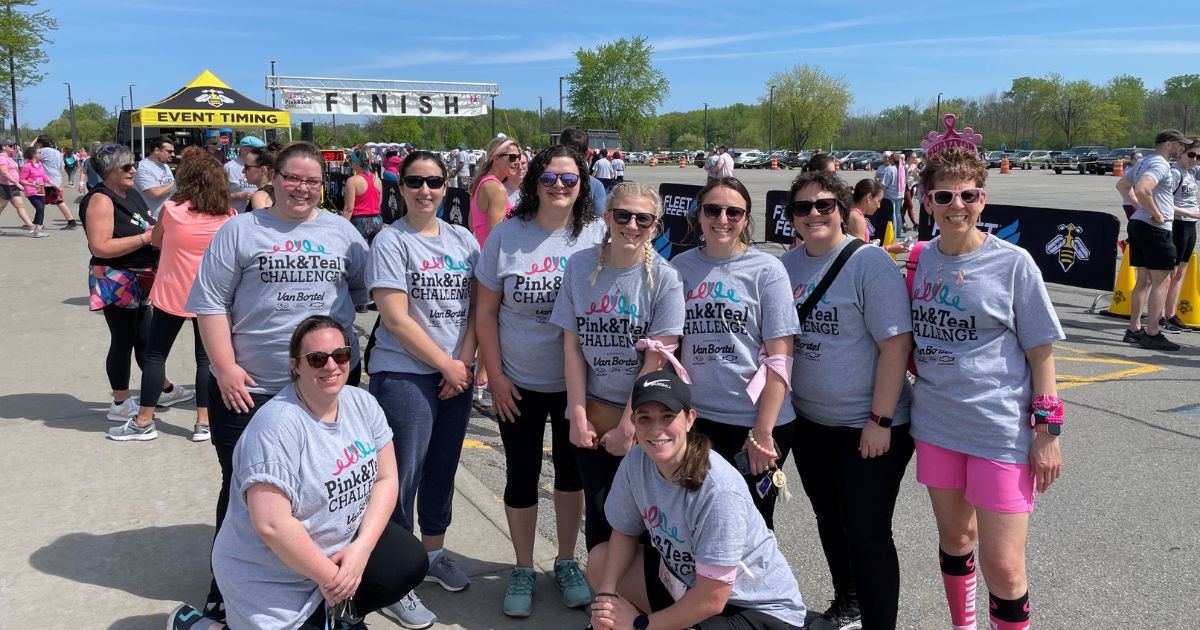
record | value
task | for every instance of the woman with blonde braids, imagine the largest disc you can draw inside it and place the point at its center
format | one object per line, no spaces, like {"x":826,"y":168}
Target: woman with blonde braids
{"x":621,"y":309}
{"x":489,"y":198}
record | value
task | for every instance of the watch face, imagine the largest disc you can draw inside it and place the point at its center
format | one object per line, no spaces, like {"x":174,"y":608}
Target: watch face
{"x":640,"y":622}
{"x":1054,"y":429}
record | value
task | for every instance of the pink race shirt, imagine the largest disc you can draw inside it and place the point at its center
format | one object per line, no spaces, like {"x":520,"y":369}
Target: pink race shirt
{"x":185,"y":237}
{"x":8,"y":171}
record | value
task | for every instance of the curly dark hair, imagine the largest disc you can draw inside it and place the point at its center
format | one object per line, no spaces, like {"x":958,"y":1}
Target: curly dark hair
{"x":581,"y":212}
{"x":830,"y":183}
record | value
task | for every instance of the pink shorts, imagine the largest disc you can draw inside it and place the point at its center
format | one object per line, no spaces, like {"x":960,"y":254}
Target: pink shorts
{"x":987,"y":484}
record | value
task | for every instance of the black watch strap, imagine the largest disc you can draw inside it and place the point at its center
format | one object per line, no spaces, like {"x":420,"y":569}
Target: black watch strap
{"x":641,"y":622}
{"x":882,"y":421}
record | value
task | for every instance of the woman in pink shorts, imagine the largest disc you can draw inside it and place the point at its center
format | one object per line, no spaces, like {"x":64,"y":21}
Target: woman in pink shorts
{"x":985,"y":414}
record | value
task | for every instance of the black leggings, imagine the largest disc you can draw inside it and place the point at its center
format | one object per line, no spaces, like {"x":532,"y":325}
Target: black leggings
{"x":597,"y":467}
{"x":728,"y":440}
{"x":164,"y":328}
{"x":128,"y":331}
{"x":853,"y":499}
{"x":523,"y":441}
{"x":396,"y":566}
{"x":39,"y":208}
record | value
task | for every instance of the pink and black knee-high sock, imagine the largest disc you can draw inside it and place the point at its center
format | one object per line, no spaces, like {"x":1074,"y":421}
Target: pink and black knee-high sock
{"x":1009,"y":614}
{"x":958,"y":577}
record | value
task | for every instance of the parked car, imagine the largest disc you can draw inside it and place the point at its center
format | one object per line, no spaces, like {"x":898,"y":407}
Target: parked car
{"x":1038,"y":158}
{"x":840,"y":155}
{"x":1078,"y":158}
{"x":1105,"y":163}
{"x":1017,"y":159}
{"x":861,"y":161}
{"x":747,"y":157}
{"x":994,"y":157}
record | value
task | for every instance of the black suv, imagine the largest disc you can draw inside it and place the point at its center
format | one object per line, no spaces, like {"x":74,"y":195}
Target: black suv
{"x":1078,"y":158}
{"x":1105,"y":163}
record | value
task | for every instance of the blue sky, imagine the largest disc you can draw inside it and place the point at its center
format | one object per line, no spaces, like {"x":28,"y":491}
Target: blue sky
{"x":714,"y":52}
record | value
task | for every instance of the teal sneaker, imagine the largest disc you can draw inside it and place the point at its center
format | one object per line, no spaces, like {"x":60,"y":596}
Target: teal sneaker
{"x":518,"y":598}
{"x":575,"y":590}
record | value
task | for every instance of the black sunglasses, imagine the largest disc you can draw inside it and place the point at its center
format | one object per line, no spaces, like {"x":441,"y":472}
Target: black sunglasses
{"x":129,"y":168}
{"x":548,"y":179}
{"x":317,"y":360}
{"x":733,"y":213}
{"x":416,"y":181}
{"x":512,"y":157}
{"x":623,"y":216}
{"x":1193,"y":155}
{"x":804,"y":208}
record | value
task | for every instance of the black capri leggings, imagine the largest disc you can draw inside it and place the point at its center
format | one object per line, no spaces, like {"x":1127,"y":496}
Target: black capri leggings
{"x":128,"y":331}
{"x":728,"y":440}
{"x":164,"y":329}
{"x":523,"y":440}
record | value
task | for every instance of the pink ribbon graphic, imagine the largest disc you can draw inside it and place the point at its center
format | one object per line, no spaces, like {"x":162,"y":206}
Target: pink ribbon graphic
{"x":780,"y":364}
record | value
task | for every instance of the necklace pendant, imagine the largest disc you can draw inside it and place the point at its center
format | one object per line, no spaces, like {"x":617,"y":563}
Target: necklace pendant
{"x":961,"y":279}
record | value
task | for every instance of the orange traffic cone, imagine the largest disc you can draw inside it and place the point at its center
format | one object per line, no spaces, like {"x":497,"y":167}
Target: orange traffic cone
{"x":1004,"y":166}
{"x":1189,"y":295}
{"x":1118,"y":168}
{"x":682,"y":161}
{"x":653,"y":162}
{"x":774,"y":164}
{"x":1123,"y":288}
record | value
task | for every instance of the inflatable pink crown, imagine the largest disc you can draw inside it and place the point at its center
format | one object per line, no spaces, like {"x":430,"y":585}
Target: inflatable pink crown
{"x":968,"y":140}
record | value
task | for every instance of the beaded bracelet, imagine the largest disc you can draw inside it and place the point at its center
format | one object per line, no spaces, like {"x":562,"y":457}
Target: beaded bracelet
{"x":761,"y":449}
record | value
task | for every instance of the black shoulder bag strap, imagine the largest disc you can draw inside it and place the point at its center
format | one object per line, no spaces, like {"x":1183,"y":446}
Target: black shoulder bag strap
{"x":811,"y":302}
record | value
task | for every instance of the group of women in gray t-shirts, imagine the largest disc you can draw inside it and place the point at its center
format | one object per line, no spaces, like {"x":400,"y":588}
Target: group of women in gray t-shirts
{"x":566,"y":311}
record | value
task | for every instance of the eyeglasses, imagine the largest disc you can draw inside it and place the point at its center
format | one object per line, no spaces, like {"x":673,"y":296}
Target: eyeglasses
{"x":111,"y":148}
{"x":1194,"y":155}
{"x":713,"y":211}
{"x":129,"y":168}
{"x":246,"y":166}
{"x":317,"y":360}
{"x":294,"y":182}
{"x":804,"y":208}
{"x":548,"y":179}
{"x":623,"y":216}
{"x":947,"y":197}
{"x":416,"y":181}
{"x":512,"y":157}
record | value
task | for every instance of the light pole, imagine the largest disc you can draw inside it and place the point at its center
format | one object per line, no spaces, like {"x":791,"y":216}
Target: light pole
{"x":272,"y":89}
{"x":131,"y":86}
{"x":71,"y":107}
{"x":706,"y":127}
{"x":540,"y":129}
{"x":771,"y":122}
{"x":938,"y":122}
{"x":560,"y":105}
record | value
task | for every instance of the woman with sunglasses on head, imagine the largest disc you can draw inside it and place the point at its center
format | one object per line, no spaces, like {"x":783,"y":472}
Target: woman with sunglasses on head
{"x":737,"y":340}
{"x":362,"y":194}
{"x":706,"y":560}
{"x":621,"y":310}
{"x":259,"y":167}
{"x":421,"y":357}
{"x":519,"y":276}
{"x":985,"y":416}
{"x":1183,"y":230}
{"x":262,"y":274}
{"x":186,"y":224}
{"x":851,"y":399}
{"x":489,"y":198}
{"x":122,"y":267}
{"x":308,"y":543}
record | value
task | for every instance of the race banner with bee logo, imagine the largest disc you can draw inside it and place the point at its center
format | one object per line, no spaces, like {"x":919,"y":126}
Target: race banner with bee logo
{"x":1077,"y":248}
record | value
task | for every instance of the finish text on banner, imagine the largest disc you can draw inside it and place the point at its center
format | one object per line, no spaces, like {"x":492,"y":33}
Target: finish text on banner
{"x":680,"y":233}
{"x":391,"y":103}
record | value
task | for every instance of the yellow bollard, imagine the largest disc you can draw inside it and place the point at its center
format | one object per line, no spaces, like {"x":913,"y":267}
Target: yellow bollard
{"x":889,"y":237}
{"x":1189,"y":295}
{"x":1123,"y":289}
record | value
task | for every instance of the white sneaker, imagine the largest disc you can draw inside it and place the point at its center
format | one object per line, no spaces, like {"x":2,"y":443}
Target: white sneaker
{"x":200,"y":432}
{"x":178,"y":394}
{"x":124,"y":411}
{"x":410,"y":613}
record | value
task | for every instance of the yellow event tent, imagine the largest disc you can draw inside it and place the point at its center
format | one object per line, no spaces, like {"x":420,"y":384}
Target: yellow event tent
{"x":208,"y":102}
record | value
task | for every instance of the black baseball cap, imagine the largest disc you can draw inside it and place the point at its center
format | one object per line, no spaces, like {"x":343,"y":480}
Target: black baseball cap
{"x":7,"y":143}
{"x":1171,"y":135}
{"x":662,"y":386}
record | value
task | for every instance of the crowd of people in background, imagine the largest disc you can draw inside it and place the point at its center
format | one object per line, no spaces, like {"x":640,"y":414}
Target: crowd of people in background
{"x":675,"y":391}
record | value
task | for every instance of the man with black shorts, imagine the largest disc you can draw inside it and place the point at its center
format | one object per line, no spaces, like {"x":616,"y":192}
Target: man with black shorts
{"x":9,"y":178}
{"x":1149,"y":187}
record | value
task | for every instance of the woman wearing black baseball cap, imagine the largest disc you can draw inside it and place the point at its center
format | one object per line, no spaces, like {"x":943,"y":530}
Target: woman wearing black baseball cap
{"x":710,"y":561}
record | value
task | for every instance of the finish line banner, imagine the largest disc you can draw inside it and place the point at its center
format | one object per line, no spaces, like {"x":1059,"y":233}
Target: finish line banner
{"x":367,"y":103}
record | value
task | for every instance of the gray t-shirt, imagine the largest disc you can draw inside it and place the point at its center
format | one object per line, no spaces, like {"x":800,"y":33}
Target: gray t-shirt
{"x":733,"y":305}
{"x":526,"y":264}
{"x":833,"y":376}
{"x":436,"y":273}
{"x":889,"y":178}
{"x":1157,"y":168}
{"x":269,"y":274}
{"x":603,"y":169}
{"x":52,"y":161}
{"x":238,"y":184}
{"x":613,"y":314}
{"x":327,"y":470}
{"x":1184,"y":190}
{"x":716,"y":526}
{"x":151,"y":174}
{"x":974,"y":316}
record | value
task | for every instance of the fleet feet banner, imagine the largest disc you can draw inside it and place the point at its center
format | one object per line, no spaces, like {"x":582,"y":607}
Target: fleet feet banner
{"x":778,"y":226}
{"x":351,"y":102}
{"x":680,"y":231}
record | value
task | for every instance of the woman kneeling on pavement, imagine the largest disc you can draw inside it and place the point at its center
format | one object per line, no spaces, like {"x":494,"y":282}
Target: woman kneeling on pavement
{"x":851,"y":399}
{"x":420,"y":359}
{"x":710,"y":563}
{"x":308,"y":542}
{"x":986,"y":416}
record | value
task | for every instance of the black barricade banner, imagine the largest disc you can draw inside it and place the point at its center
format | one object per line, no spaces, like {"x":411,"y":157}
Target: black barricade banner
{"x":455,"y":207}
{"x":391,"y":204}
{"x":1077,"y":248}
{"x":679,"y":206}
{"x":333,"y":192}
{"x":778,"y":228}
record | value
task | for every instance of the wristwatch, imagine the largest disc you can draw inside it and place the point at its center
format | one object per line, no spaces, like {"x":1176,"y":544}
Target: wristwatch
{"x":1052,"y":428}
{"x":882,"y":421}
{"x":641,"y":622}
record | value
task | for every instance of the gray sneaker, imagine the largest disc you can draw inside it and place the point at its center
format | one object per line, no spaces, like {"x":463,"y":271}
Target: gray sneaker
{"x":178,"y":394}
{"x":124,"y":410}
{"x":410,"y":613}
{"x":200,"y":432}
{"x":130,"y":431}
{"x":445,"y":572}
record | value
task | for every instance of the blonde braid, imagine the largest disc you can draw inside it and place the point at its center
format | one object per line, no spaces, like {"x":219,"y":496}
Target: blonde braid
{"x":650,"y":254}
{"x":601,"y":252}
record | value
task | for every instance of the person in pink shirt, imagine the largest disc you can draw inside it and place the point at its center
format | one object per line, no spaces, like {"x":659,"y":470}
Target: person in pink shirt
{"x":9,"y":180}
{"x":185,"y":226}
{"x":35,"y":181}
